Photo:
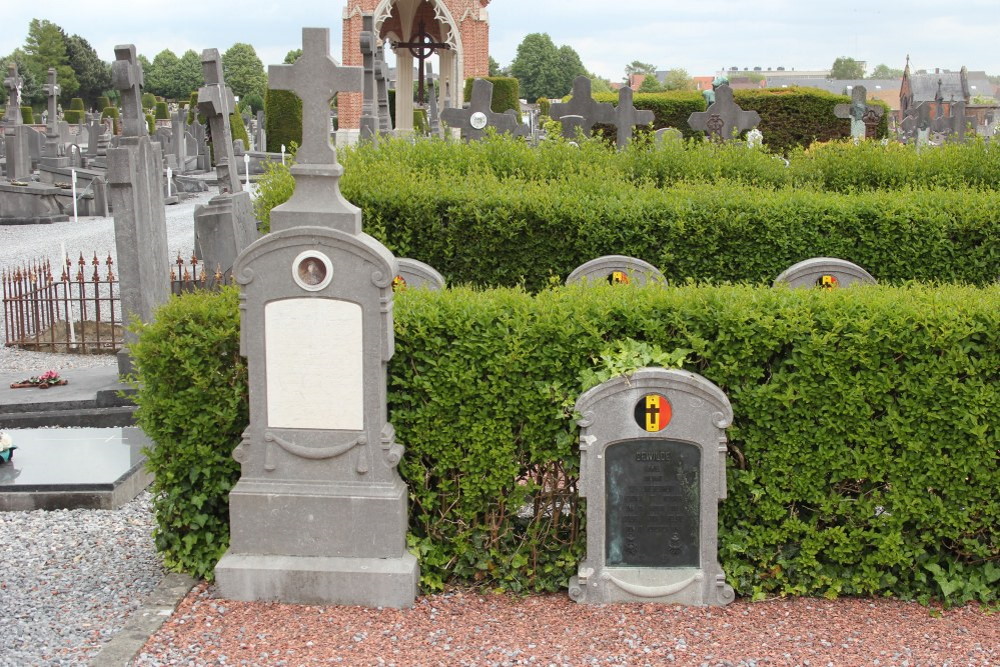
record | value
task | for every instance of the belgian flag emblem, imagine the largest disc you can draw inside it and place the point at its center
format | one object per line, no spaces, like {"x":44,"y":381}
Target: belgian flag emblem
{"x":827,"y":281}
{"x":653,"y":413}
{"x":618,"y":278}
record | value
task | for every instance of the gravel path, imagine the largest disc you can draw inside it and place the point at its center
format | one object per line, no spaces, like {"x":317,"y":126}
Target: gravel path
{"x":20,"y":244}
{"x":71,"y":579}
{"x":469,"y":628}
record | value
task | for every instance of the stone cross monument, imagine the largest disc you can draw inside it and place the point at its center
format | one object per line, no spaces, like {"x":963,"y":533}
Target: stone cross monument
{"x":16,"y":136}
{"x":135,"y":174}
{"x":319,"y":513}
{"x":724,"y":117}
{"x":474,"y":120}
{"x":369,"y":104}
{"x":226,"y":225}
{"x":13,"y":84}
{"x":864,"y":117}
{"x":54,"y":153}
{"x":627,"y":116}
{"x":584,"y":105}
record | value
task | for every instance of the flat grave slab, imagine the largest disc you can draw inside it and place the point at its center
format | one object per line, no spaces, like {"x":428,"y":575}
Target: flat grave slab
{"x":70,"y":468}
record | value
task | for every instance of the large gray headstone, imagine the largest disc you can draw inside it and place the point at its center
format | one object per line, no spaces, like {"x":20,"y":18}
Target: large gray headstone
{"x":369,"y":105}
{"x":216,"y":101}
{"x":617,"y":270}
{"x":724,"y":119}
{"x":135,"y":177}
{"x":826,"y":272}
{"x":916,"y":124}
{"x":479,"y":115}
{"x":319,"y":514}
{"x":13,"y":83}
{"x":55,"y":154}
{"x":653,"y":469}
{"x":583,"y":105}
{"x":627,"y":116}
{"x":953,"y":126}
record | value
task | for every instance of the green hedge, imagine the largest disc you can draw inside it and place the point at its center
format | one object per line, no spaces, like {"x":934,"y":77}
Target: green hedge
{"x":161,"y":111}
{"x":148,"y":101}
{"x":150,"y":124}
{"x":862,"y":455}
{"x":669,"y":109}
{"x":112,"y":113}
{"x":73,"y":116}
{"x":27,"y":115}
{"x":506,"y":93}
{"x":283,"y":119}
{"x":103,"y":102}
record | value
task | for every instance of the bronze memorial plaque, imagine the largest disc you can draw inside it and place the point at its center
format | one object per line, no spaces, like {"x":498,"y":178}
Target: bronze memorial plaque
{"x":653,"y":504}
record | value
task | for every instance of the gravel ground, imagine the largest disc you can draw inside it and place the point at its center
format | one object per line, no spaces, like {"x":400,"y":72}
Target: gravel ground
{"x":469,"y":628}
{"x":71,"y":579}
{"x":21,"y":244}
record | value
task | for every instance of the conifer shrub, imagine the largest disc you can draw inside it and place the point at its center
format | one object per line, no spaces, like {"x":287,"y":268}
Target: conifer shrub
{"x":148,"y":101}
{"x":161,"y":111}
{"x":506,"y":93}
{"x":283,"y":119}
{"x":150,"y":124}
{"x":112,"y":113}
{"x":544,"y":106}
{"x":27,"y":115}
{"x":103,"y":102}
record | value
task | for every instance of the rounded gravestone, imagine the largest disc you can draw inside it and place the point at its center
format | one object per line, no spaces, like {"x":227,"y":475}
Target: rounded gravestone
{"x":826,"y":272}
{"x":617,"y":270}
{"x":413,"y":274}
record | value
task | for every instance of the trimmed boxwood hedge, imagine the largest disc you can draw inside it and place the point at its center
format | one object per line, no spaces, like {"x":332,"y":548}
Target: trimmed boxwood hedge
{"x":283,"y":119}
{"x":506,"y":93}
{"x":863,"y":455}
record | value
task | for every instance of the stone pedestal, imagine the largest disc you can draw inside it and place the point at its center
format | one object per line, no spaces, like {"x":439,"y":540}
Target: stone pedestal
{"x":222,"y":229}
{"x":18,"y":151}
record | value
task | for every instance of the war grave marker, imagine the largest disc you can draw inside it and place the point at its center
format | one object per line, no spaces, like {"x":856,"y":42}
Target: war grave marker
{"x":827,"y":272}
{"x":653,"y":469}
{"x":319,"y":514}
{"x":724,"y":119}
{"x":617,"y":270}
{"x":583,"y":105}
{"x":479,"y":115}
{"x":414,"y":274}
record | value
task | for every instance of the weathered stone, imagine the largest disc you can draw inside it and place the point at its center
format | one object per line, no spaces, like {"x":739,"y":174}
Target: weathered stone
{"x":582,"y":104}
{"x":724,"y":119}
{"x":826,"y":272}
{"x":617,"y":270}
{"x":414,"y":274}
{"x":479,"y":115}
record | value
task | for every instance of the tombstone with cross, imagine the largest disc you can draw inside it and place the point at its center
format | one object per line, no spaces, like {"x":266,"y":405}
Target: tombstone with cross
{"x":16,"y":136}
{"x":433,"y":114}
{"x":369,"y":105}
{"x":953,"y":126}
{"x":13,"y":84}
{"x":422,"y":47}
{"x":474,"y":120}
{"x":135,"y":176}
{"x":916,"y":124}
{"x":864,"y":117}
{"x":382,"y":91}
{"x":319,"y":514}
{"x":216,"y":101}
{"x":55,"y":153}
{"x":626,"y":116}
{"x":724,"y":118}
{"x":583,"y":105}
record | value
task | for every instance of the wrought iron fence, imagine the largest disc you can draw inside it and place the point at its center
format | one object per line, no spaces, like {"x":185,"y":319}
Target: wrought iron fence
{"x":78,"y":308}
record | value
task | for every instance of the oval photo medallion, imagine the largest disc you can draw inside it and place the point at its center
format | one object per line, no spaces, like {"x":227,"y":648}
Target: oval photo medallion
{"x":653,"y":413}
{"x":478,"y":120}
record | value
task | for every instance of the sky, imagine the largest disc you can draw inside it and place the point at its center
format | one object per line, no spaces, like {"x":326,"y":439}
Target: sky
{"x":700,"y":37}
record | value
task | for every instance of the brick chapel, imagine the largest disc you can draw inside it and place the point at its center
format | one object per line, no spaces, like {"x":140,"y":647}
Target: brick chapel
{"x":461,"y":25}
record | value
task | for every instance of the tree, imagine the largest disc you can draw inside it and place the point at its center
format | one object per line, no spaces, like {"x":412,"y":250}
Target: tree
{"x":847,"y":68}
{"x":292,"y":56}
{"x":45,"y":47}
{"x":639,"y":67}
{"x":30,"y":87}
{"x":599,"y":84}
{"x":678,"y":79}
{"x":92,"y":73}
{"x":543,"y":70}
{"x":244,"y":71}
{"x":188,"y":76}
{"x":883,"y":71}
{"x":495,"y":69}
{"x":160,"y":78}
{"x":650,"y":84}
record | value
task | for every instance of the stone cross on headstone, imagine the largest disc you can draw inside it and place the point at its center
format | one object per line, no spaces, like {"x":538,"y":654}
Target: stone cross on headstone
{"x":135,"y":175}
{"x":316,"y":78}
{"x":216,"y":101}
{"x":474,"y":120}
{"x":953,"y":126}
{"x":627,"y":116}
{"x":13,"y":84}
{"x":369,"y":105}
{"x":433,"y":114}
{"x":382,"y":91}
{"x":53,"y":147}
{"x":126,"y":76}
{"x":724,"y":118}
{"x":319,"y":514}
{"x":95,"y":129}
{"x":864,"y":117}
{"x":916,"y":123}
{"x":584,"y":105}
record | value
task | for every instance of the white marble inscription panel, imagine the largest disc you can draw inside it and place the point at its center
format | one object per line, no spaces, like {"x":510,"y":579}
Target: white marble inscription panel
{"x":315,"y":364}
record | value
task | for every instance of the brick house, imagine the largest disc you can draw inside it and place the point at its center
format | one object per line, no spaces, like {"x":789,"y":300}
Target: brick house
{"x":462,"y":24}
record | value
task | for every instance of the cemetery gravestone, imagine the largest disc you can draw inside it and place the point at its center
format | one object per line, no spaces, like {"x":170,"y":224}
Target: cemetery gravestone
{"x":916,"y":124}
{"x":382,"y":91}
{"x":653,"y":469}
{"x":369,"y":121}
{"x":135,"y":176}
{"x":413,"y":274}
{"x":226,"y":225}
{"x":864,"y":117}
{"x":17,"y":136}
{"x":617,"y":270}
{"x":584,"y":105}
{"x":474,"y":120}
{"x":626,"y":116}
{"x":55,"y":154}
{"x":826,"y":272}
{"x":724,"y":119}
{"x":318,"y":515}
{"x":668,"y":136}
{"x":953,"y":126}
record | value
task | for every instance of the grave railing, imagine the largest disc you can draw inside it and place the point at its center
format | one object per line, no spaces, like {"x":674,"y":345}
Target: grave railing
{"x":78,"y":309}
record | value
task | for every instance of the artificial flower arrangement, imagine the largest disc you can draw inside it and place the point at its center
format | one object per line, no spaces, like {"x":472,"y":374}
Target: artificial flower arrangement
{"x":43,"y":381}
{"x":6,"y":447}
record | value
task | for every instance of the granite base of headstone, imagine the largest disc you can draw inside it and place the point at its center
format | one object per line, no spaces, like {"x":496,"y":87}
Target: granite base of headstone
{"x":414,"y":274}
{"x":17,"y":143}
{"x":653,"y":469}
{"x":826,"y":272}
{"x":616,"y":270}
{"x":31,"y":204}
{"x":223,"y":228}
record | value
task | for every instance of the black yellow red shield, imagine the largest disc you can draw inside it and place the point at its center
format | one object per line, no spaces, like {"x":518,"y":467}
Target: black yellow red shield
{"x":653,"y":412}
